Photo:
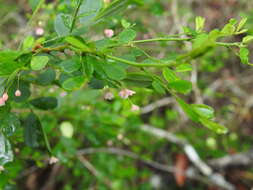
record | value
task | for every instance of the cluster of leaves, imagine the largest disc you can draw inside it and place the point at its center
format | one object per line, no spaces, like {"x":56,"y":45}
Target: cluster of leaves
{"x":70,"y":60}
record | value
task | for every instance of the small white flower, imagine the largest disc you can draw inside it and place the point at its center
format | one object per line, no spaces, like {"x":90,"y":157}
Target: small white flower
{"x":108,"y":33}
{"x":125,"y":93}
{"x":108,"y":96}
{"x":53,"y":160}
{"x":135,"y":108}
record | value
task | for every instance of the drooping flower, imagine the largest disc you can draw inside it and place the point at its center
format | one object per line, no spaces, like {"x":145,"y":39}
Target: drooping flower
{"x":125,"y":93}
{"x":108,"y":33}
{"x":18,"y":93}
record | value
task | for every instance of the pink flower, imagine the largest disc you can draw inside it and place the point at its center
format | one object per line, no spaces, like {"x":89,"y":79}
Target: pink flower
{"x":53,"y":160}
{"x":108,"y":33}
{"x":39,"y":31}
{"x":5,"y":97}
{"x":125,"y":93}
{"x":135,"y":108}
{"x":18,"y":93}
{"x":2,"y":102}
{"x":108,"y":96}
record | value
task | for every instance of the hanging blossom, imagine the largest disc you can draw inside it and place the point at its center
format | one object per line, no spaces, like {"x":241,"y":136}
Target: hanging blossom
{"x":125,"y":93}
{"x":108,"y":33}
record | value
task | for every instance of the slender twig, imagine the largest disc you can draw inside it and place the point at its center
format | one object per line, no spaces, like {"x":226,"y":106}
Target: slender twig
{"x":75,"y":15}
{"x":160,"y":39}
{"x":94,"y":171}
{"x":136,"y":64}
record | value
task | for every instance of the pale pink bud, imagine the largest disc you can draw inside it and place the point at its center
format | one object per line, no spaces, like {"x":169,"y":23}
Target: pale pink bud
{"x":5,"y":97}
{"x":135,"y":108}
{"x":39,"y":31}
{"x":53,"y":160}
{"x":18,"y":93}
{"x":108,"y":96}
{"x":1,"y":168}
{"x":108,"y":33}
{"x":2,"y":102}
{"x":125,"y":93}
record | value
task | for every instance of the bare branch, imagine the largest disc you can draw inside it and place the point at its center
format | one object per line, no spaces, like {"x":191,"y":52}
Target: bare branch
{"x":215,"y":178}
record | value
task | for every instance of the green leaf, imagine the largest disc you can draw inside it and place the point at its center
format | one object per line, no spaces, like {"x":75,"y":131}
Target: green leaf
{"x":244,"y":55}
{"x":126,"y":36}
{"x":45,"y":103}
{"x":184,"y":68}
{"x":228,"y":29}
{"x":114,"y":71}
{"x":125,"y":24}
{"x":6,"y":154}
{"x":33,"y":4}
{"x":247,"y":39}
{"x":28,"y":43}
{"x":70,"y":65}
{"x":218,"y":128}
{"x":88,"y":11}
{"x":181,"y":86}
{"x":96,"y":84}
{"x":8,"y":63}
{"x":62,"y":24}
{"x":169,"y":75}
{"x":199,"y":23}
{"x":32,"y":131}
{"x":9,"y":123}
{"x":241,"y":24}
{"x":203,"y":110}
{"x":46,"y":77}
{"x":88,"y":66}
{"x":190,"y":112}
{"x":78,"y":43}
{"x":73,"y":83}
{"x":158,"y":87}
{"x":138,"y":79}
{"x":113,"y":8}
{"x":39,"y":62}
